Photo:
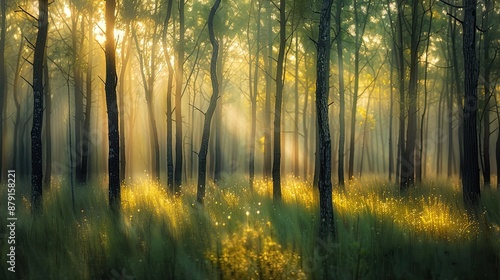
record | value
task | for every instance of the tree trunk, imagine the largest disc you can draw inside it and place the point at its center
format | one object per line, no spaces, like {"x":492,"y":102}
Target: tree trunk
{"x":340,"y":62}
{"x":36,"y":131}
{"x":470,"y":179}
{"x":218,"y":161}
{"x":202,"y":156}
{"x":112,"y":108}
{"x":488,"y":4}
{"x":178,"y":102}
{"x":295,"y":169}
{"x":409,"y":164}
{"x":327,"y":226}
{"x":86,"y":148}
{"x":267,"y":107}
{"x":253,"y":95}
{"x":170,"y":161}
{"x":277,"y":106}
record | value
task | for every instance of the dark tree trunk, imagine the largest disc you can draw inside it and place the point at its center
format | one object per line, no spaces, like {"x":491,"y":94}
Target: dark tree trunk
{"x":409,"y":164}
{"x":277,"y":106}
{"x":470,"y":178}
{"x":488,"y":4}
{"x":391,"y":115}
{"x":253,"y":95}
{"x":170,"y":160}
{"x":305,"y":128}
{"x":77,"y":45}
{"x":36,"y":131}
{"x":178,"y":102}
{"x":327,"y":226}
{"x":15,"y":93}
{"x":401,"y":87}
{"x":112,"y":108}
{"x":85,"y":147}
{"x":341,"y":93}
{"x":202,"y":156}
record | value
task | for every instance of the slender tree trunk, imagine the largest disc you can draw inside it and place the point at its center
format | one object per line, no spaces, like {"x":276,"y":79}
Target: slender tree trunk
{"x":296,"y":111}
{"x":391,"y":116}
{"x":409,"y":164}
{"x":178,"y":102}
{"x":470,"y":179}
{"x":112,"y":108}
{"x":277,"y":108}
{"x":36,"y":131}
{"x":305,"y":128}
{"x":340,"y":62}
{"x":86,"y":148}
{"x":202,"y":156}
{"x":327,"y":225}
{"x":401,"y":86}
{"x":15,"y":93}
{"x":488,"y":4}
{"x":170,"y":160}
{"x":253,"y":95}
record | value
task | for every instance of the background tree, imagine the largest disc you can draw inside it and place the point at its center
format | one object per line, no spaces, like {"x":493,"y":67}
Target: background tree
{"x":3,"y":76}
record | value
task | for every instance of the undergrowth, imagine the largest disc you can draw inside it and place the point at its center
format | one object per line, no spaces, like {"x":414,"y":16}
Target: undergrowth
{"x":242,"y":234}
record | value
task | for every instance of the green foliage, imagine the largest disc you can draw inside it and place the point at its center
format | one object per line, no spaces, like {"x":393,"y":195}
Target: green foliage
{"x":239,"y":234}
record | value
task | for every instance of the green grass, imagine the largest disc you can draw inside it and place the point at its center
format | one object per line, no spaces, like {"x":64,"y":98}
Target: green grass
{"x":241,"y":234}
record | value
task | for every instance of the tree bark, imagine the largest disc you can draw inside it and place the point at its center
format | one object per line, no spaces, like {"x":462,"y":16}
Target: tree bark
{"x":178,"y":102}
{"x":327,"y":226}
{"x":276,"y":172}
{"x":170,"y":160}
{"x":36,"y":130}
{"x":112,"y":108}
{"x":470,"y":179}
{"x":341,"y":94}
{"x":202,"y":156}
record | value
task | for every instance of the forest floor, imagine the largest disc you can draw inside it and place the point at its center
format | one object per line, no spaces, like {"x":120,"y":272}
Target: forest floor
{"x":241,"y":234}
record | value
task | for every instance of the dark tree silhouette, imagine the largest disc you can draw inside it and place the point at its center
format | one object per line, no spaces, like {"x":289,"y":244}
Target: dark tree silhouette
{"x":327,"y":226}
{"x":170,"y":160}
{"x":112,"y":108}
{"x":470,"y":175}
{"x":36,"y":131}
{"x":276,"y":172}
{"x":202,"y":156}
{"x":178,"y":99}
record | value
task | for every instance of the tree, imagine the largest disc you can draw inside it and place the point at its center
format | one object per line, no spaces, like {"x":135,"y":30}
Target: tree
{"x":276,"y":172}
{"x":170,"y":161}
{"x":36,"y":130}
{"x":327,"y":226}
{"x":470,"y":177}
{"x":112,"y":108}
{"x":341,"y":93}
{"x":202,"y":156}
{"x":178,"y":101}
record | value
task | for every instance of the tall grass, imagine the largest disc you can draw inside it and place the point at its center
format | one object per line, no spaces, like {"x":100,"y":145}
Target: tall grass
{"x":242,"y":234}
